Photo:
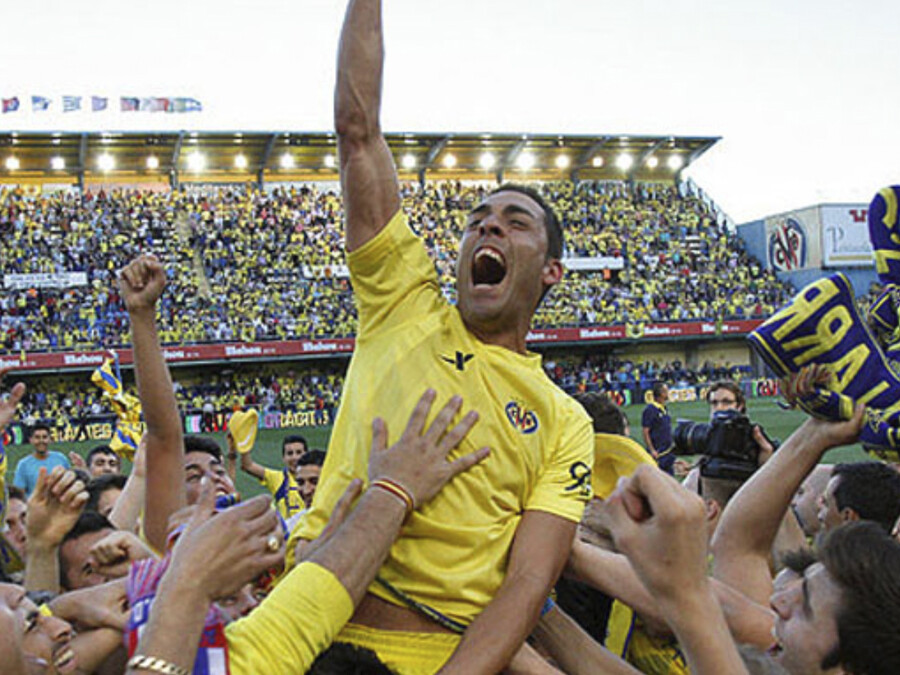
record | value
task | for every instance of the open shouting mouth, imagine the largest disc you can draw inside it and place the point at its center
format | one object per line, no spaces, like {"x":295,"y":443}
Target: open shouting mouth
{"x":488,"y":267}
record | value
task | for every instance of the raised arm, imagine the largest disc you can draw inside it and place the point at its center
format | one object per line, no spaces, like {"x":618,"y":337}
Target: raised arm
{"x":368,"y":175}
{"x":750,"y":523}
{"x":141,"y":285}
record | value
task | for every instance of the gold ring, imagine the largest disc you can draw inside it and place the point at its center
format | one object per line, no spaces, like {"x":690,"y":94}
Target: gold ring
{"x":272,"y":544}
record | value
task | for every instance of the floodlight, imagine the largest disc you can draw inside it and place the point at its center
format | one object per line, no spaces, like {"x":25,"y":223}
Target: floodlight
{"x":652,"y":162}
{"x":525,"y":161}
{"x":153,"y":162}
{"x":563,"y":161}
{"x":240,"y":162}
{"x":675,"y":162}
{"x":196,"y":162}
{"x":409,"y":161}
{"x":624,"y":161}
{"x":597,"y":162}
{"x":329,"y":161}
{"x":12,"y":163}
{"x":106,"y":162}
{"x":487,"y":161}
{"x":449,"y":161}
{"x":286,"y":161}
{"x":57,"y":163}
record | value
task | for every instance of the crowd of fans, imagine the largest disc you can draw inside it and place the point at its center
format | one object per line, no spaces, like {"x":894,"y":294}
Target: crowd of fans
{"x":248,"y":265}
{"x":300,"y":387}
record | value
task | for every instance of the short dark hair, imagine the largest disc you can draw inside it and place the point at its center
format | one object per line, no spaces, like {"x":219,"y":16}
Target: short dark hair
{"x":313,"y":457}
{"x":551,"y":221}
{"x":202,"y":444}
{"x":872,"y":489}
{"x":864,"y":561}
{"x":100,"y":450}
{"x":606,"y":416}
{"x":733,"y":387}
{"x":657,"y":389}
{"x":342,"y":658}
{"x":17,"y":493}
{"x":38,"y":426}
{"x":99,"y":485}
{"x":294,"y":438}
{"x":88,"y":523}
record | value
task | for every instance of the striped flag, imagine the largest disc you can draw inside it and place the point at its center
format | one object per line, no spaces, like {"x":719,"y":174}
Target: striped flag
{"x":129,"y":103}
{"x":10,"y":104}
{"x":98,"y":103}
{"x":71,"y":103}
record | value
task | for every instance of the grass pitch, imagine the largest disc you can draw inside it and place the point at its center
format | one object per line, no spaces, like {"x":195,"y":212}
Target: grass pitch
{"x":778,"y":423}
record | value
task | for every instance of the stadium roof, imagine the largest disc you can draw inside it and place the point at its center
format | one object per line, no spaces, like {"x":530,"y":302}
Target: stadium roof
{"x":185,"y":157}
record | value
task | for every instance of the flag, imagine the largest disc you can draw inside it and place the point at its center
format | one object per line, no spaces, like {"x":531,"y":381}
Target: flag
{"x":153,"y":104}
{"x":39,"y":103}
{"x":129,"y":103}
{"x":71,"y":103}
{"x":98,"y":103}
{"x":108,"y":379}
{"x":10,"y":104}
{"x":183,"y":105}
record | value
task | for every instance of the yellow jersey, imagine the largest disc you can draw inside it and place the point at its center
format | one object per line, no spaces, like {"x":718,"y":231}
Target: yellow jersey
{"x":452,"y":553}
{"x":285,"y":492}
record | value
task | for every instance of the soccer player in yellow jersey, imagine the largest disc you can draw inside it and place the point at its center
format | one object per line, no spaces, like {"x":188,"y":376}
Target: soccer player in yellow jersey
{"x":481,"y":558}
{"x":282,"y":484}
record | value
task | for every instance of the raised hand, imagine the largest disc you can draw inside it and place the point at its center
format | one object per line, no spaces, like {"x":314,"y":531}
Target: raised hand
{"x":8,"y":407}
{"x":418,"y":461}
{"x":141,"y":283}
{"x":54,"y":507}
{"x":116,"y":551}
{"x":226,"y":550}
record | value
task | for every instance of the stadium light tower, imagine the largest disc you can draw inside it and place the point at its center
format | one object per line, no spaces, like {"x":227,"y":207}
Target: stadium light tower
{"x":329,"y":161}
{"x":563,"y":162}
{"x":597,"y":162}
{"x":675,"y":162}
{"x":409,"y":161}
{"x":106,"y":162}
{"x":152,"y":162}
{"x":12,"y":163}
{"x":240,"y":162}
{"x":449,"y":161}
{"x":624,"y":161}
{"x":652,"y":162}
{"x":57,"y":163}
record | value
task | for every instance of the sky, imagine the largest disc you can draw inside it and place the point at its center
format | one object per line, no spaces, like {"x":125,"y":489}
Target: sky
{"x":803,"y":93}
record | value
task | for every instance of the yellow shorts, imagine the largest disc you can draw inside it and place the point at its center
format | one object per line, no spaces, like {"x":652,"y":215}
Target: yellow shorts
{"x":404,"y":653}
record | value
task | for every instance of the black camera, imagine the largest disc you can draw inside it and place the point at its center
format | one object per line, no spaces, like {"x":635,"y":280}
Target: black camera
{"x":726,"y":443}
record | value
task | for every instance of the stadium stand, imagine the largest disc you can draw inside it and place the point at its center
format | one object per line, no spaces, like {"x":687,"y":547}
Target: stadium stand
{"x":247,"y":265}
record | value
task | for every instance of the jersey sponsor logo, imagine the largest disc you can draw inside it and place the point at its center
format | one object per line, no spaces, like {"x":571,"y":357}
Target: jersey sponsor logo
{"x":460,"y":360}
{"x":581,"y":479}
{"x":521,"y":418}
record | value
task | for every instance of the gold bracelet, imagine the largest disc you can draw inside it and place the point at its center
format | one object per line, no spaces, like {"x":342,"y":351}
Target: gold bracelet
{"x":156,"y":665}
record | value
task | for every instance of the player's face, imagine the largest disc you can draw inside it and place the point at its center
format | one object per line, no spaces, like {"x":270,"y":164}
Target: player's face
{"x":829,"y":516}
{"x":15,"y":525}
{"x":503,"y":267}
{"x":29,"y":637}
{"x":806,"y":620}
{"x":40,"y":440}
{"x":102,"y":464}
{"x":292,"y":452}
{"x":307,"y":478}
{"x":80,"y":565}
{"x":199,"y":464}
